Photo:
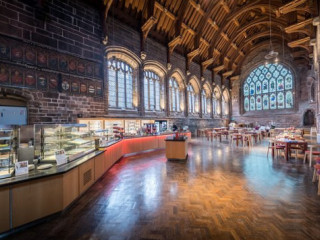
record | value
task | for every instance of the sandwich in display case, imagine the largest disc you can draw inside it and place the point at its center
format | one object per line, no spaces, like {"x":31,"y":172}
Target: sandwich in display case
{"x":74,"y":139}
{"x":9,"y":141}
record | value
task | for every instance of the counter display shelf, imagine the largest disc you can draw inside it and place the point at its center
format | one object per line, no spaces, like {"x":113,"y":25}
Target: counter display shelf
{"x":50,"y":138}
{"x":52,"y":190}
{"x":9,"y":140}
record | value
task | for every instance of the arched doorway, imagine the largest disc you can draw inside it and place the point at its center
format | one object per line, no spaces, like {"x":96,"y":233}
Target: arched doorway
{"x":308,"y":118}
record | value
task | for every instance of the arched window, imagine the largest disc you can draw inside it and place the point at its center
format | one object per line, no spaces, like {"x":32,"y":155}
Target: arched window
{"x":216,"y":96}
{"x":153,"y":91}
{"x":206,"y":100}
{"x":192,"y":100}
{"x":122,"y":84}
{"x":225,"y":103}
{"x":268,"y":87}
{"x":174,"y":95}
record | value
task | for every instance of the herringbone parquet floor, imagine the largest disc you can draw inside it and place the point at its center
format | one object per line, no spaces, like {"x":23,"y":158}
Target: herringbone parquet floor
{"x":221,"y":192}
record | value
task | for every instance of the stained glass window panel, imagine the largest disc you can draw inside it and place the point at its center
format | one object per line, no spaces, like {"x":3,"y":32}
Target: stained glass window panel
{"x":288,"y":81}
{"x":258,"y":87}
{"x":272,"y":87}
{"x":273,"y":101}
{"x":265,"y":102}
{"x":252,"y":88}
{"x":265,"y":87}
{"x":246,"y":104}
{"x":280,"y":100}
{"x":252,"y":103}
{"x":246,"y":90}
{"x":280,"y":83}
{"x":259,"y":102}
{"x":289,"y":99}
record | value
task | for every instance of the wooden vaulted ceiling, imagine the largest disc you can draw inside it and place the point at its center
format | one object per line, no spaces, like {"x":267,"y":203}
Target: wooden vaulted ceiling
{"x":219,"y":33}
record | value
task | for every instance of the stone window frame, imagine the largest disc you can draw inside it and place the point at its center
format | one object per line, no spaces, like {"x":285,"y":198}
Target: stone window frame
{"x":206,"y":99}
{"x":160,"y":70}
{"x":180,"y":79}
{"x":296,"y":84}
{"x":194,"y":83}
{"x":130,"y":58}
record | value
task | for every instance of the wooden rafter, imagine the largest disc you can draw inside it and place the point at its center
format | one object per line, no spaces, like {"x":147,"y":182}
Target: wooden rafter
{"x":299,"y":42}
{"x":295,"y":27}
{"x":218,"y":69}
{"x":149,"y":23}
{"x":289,"y":7}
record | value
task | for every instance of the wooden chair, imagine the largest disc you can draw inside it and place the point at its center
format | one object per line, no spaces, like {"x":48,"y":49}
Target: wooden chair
{"x":311,"y":153}
{"x":312,"y":131}
{"x":246,"y":140}
{"x":316,"y":173}
{"x":275,"y":147}
{"x":236,"y":137}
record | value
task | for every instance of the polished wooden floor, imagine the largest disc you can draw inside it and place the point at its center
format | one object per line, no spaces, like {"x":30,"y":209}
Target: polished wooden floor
{"x":220,"y":192}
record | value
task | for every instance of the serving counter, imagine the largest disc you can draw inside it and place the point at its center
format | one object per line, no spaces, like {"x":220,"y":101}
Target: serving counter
{"x":40,"y":193}
{"x":176,"y":148}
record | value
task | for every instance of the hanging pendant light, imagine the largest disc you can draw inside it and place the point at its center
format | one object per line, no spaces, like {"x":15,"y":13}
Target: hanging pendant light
{"x":271,"y":54}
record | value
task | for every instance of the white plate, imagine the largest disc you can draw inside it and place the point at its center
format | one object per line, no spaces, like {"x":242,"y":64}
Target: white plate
{"x":30,"y":167}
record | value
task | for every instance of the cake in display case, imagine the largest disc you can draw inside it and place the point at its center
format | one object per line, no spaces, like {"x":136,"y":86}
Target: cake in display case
{"x":74,"y":139}
{"x":9,"y":141}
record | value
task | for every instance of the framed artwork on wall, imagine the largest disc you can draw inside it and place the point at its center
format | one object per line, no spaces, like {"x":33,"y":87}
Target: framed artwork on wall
{"x":75,"y":85}
{"x":42,"y":81}
{"x":53,"y":61}
{"x":81,"y":68}
{"x":91,"y":88}
{"x":17,"y":76}
{"x":63,"y":63}
{"x":83,"y":87}
{"x":65,"y":85}
{"x":4,"y":49}
{"x":30,"y":56}
{"x":17,"y":53}
{"x":30,"y":79}
{"x":42,"y":59}
{"x":89,"y":69}
{"x":4,"y":74}
{"x":53,"y":82}
{"x":99,"y":89}
{"x":72,"y":65}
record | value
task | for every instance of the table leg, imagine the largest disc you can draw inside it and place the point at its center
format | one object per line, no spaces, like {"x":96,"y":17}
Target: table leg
{"x":310,"y":157}
{"x":287,"y":152}
{"x":272,"y":144}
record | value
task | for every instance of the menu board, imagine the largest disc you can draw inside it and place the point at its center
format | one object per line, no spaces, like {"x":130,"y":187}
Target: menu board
{"x":13,"y":115}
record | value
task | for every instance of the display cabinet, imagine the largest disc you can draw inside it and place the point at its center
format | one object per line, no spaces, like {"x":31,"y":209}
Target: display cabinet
{"x":9,"y":141}
{"x":74,"y":139}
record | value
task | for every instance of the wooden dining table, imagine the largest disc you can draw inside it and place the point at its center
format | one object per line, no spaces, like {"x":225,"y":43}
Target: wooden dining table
{"x":303,"y":145}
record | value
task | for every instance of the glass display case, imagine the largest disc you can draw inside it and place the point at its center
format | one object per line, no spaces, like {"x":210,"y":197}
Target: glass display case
{"x":74,"y":139}
{"x":9,"y":141}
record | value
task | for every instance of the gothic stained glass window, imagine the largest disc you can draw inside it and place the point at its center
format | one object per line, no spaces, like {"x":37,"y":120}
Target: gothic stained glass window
{"x":121,"y":84}
{"x":153,"y":90}
{"x":268,"y":87}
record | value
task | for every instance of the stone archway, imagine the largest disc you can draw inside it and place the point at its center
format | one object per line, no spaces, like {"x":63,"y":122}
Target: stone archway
{"x":309,"y":118}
